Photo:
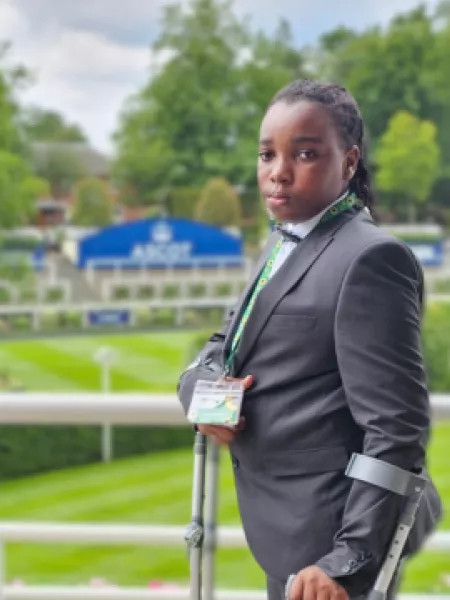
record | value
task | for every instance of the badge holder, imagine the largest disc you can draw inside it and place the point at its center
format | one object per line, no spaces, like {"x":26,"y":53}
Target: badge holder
{"x":216,"y":403}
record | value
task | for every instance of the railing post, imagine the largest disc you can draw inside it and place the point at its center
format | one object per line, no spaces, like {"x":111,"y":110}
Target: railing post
{"x":211,"y":502}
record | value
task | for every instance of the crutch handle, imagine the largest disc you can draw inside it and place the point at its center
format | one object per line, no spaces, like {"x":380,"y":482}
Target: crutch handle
{"x":288,"y":588}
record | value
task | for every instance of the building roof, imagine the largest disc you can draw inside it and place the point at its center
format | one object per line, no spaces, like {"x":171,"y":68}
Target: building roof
{"x":93,"y":162}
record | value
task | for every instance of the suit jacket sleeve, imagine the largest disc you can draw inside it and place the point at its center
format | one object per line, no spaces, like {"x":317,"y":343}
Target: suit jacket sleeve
{"x":378,"y":348}
{"x":207,"y":365}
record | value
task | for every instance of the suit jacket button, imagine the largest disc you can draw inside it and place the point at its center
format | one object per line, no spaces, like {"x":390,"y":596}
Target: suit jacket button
{"x":346,"y":569}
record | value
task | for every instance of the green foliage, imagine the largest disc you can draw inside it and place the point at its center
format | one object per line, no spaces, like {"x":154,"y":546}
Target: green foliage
{"x":408,"y":157}
{"x":60,"y":167}
{"x":383,"y":69}
{"x":436,"y":346}
{"x":93,"y":204}
{"x":14,"y":267}
{"x":219,"y":204}
{"x":182,"y":201}
{"x":48,"y":126}
{"x":17,"y":191}
{"x":38,"y":187}
{"x":31,"y":450}
{"x":173,"y":138}
{"x":11,"y":242}
{"x":12,"y":79}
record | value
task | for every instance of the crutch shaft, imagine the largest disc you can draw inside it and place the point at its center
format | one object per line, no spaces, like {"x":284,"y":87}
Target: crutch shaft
{"x":194,"y":532}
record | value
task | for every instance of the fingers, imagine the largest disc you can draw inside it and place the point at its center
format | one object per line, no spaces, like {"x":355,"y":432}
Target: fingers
{"x":309,"y":591}
{"x":247,"y":382}
{"x":297,"y":589}
{"x":222,"y":436}
{"x":313,"y":584}
{"x":340,"y":594}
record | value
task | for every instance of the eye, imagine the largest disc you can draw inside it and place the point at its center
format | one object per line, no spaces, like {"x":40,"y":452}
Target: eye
{"x":266,"y":155}
{"x":306,"y":154}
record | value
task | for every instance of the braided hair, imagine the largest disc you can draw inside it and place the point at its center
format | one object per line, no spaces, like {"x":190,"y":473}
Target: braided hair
{"x":346,"y":115}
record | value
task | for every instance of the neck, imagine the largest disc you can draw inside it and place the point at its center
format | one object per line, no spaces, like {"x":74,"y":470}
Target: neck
{"x":318,"y":214}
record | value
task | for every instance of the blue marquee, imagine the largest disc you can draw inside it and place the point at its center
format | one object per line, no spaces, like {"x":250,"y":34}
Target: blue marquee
{"x":159,"y":243}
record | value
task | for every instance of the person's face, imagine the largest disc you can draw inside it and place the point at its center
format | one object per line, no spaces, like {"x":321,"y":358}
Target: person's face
{"x":303,"y":166}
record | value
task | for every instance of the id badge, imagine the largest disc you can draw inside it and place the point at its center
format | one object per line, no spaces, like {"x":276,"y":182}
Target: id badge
{"x":216,"y":403}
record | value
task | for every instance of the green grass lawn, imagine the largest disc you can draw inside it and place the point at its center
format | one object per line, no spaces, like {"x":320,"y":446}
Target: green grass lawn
{"x":152,"y":489}
{"x":156,"y":490}
{"x":150,"y":362}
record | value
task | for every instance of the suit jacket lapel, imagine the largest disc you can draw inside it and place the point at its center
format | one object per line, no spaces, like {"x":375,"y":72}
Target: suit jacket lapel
{"x":290,"y":273}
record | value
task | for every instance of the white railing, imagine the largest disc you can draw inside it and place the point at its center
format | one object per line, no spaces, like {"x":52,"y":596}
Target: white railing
{"x":87,"y":593}
{"x":91,"y":409}
{"x":129,"y":409}
{"x":116,"y":408}
{"x":127,"y":311}
{"x":168,"y":536}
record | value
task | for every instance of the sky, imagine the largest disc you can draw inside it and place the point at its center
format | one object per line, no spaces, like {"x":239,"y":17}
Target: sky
{"x":89,"y":56}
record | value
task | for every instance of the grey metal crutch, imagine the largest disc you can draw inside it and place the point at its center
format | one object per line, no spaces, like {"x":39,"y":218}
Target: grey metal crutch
{"x":195,"y":530}
{"x":201,"y":533}
{"x":396,"y":480}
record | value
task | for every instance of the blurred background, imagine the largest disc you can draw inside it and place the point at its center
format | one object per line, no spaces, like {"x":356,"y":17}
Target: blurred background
{"x":129,"y":221}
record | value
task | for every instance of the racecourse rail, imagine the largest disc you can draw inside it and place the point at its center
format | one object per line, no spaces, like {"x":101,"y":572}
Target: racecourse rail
{"x":127,"y":409}
{"x":180,"y":306}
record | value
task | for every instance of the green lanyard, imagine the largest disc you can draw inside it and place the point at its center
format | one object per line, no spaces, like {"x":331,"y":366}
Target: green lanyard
{"x":263,"y":279}
{"x":347,"y":203}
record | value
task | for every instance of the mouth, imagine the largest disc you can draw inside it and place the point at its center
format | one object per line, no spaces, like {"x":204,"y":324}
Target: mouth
{"x":278,"y":199}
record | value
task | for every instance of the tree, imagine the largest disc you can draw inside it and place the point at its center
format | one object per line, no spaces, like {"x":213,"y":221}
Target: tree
{"x":219,"y":204}
{"x":11,"y":79}
{"x":18,"y":191}
{"x":61,"y":167}
{"x":48,"y":126}
{"x":383,"y":68}
{"x":93,"y":203}
{"x":198,"y":116}
{"x":408,"y":159}
{"x":183,"y":114}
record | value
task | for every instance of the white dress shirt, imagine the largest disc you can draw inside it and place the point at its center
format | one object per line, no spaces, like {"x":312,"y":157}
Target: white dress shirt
{"x":302,"y":230}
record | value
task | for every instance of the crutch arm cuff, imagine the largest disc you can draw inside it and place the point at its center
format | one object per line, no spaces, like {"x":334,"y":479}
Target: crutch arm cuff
{"x":384,"y":475}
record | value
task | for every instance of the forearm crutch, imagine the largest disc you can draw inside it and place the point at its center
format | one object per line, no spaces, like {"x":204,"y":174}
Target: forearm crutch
{"x":199,"y":534}
{"x":404,"y":483}
{"x":195,"y":530}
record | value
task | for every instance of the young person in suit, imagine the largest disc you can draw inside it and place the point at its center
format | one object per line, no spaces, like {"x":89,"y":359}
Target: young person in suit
{"x":327,"y":340}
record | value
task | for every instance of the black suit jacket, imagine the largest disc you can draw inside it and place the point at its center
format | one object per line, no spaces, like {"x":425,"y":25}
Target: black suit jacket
{"x":334,"y":345}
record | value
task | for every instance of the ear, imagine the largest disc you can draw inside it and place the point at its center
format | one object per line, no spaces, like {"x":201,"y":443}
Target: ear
{"x":351,"y":162}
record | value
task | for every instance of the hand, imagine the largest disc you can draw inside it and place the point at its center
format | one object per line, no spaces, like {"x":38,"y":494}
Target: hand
{"x":314,"y":584}
{"x":223,"y":436}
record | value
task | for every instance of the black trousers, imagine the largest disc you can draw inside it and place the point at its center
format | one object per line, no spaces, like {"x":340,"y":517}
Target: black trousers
{"x":275,"y":589}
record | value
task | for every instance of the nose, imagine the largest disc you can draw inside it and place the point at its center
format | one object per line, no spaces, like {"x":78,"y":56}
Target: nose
{"x":281,"y":171}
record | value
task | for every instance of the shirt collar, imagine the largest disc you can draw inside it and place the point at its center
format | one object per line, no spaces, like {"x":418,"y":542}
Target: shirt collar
{"x":305,"y":227}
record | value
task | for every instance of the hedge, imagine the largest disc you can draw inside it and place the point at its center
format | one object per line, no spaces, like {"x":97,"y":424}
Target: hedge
{"x":27,"y":450}
{"x":436,"y":346}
